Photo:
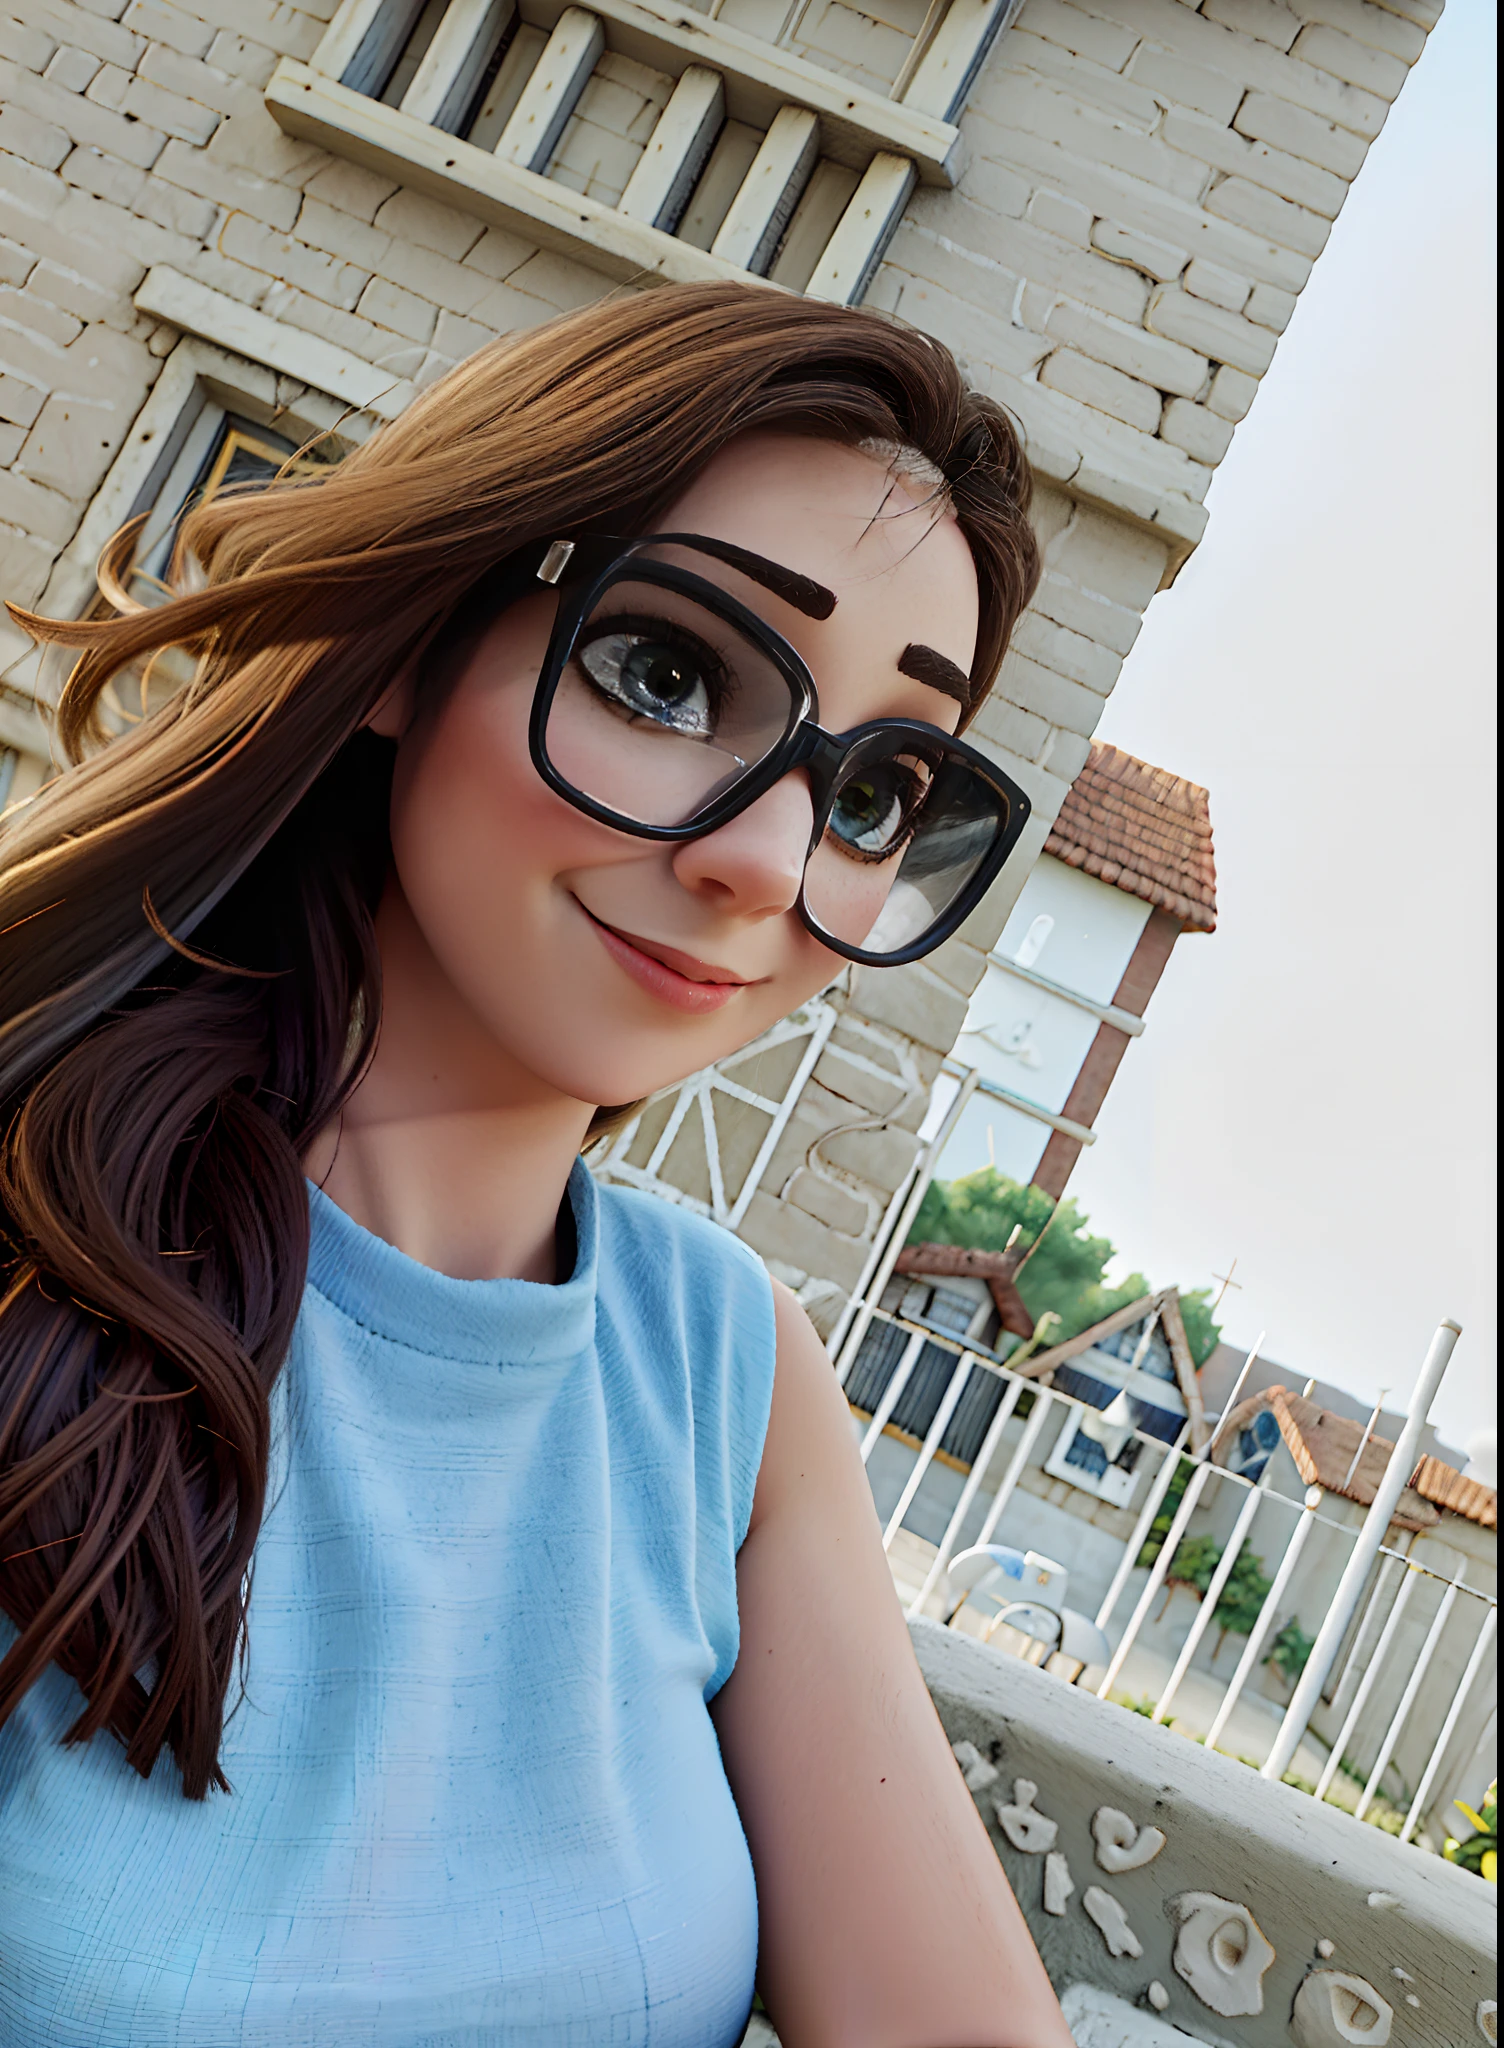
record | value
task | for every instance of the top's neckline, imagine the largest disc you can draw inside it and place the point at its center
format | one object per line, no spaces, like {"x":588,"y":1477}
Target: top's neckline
{"x":499,"y":1322}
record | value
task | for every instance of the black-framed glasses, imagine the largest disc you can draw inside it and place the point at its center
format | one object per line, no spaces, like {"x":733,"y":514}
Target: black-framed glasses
{"x":666,"y":706}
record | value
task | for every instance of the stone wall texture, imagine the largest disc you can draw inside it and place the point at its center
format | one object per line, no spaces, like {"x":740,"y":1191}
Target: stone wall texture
{"x":1146,"y":186}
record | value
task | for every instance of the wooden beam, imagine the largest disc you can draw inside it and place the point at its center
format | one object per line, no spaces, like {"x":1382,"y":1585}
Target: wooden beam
{"x":425,"y":159}
{"x":854,"y":120}
{"x":364,"y":41}
{"x":763,"y":207}
{"x":658,"y":190}
{"x":455,"y":62}
{"x":548,"y":99}
{"x":957,"y":52}
{"x":866,"y":227}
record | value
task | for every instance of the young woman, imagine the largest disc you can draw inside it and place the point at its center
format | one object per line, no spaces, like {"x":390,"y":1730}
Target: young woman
{"x":437,"y":1586}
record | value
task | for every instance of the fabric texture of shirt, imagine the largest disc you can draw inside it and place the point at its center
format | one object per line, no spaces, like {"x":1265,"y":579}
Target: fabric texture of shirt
{"x":477,"y":1800}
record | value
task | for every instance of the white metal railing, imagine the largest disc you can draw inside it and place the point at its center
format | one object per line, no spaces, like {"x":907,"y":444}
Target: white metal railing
{"x":1420,"y":1705}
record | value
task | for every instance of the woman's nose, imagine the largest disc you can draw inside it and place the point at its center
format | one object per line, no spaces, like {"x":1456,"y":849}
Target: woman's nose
{"x":753,"y":866}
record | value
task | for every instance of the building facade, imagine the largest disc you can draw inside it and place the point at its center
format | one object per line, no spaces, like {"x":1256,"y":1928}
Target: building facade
{"x":227,"y":227}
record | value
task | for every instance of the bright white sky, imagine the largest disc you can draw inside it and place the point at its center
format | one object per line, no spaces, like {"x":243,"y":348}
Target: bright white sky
{"x":1314,"y":1094}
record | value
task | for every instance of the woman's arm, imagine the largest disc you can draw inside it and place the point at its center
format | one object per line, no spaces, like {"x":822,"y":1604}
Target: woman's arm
{"x":886,"y":1920}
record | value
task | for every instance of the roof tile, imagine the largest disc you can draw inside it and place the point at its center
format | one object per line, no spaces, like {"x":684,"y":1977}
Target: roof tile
{"x":1142,"y":829}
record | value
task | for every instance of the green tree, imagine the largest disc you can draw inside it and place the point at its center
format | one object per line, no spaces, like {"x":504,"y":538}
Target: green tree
{"x":1241,"y":1600}
{"x":1289,"y":1651}
{"x":1065,"y":1274}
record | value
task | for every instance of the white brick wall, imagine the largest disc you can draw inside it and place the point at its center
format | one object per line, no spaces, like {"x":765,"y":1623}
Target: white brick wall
{"x":1147,"y":185}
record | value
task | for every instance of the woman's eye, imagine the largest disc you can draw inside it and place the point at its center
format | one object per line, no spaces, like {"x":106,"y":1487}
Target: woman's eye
{"x":654,"y":676}
{"x":873,"y":812}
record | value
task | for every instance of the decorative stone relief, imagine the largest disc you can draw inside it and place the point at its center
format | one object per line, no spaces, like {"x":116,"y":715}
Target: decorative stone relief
{"x":1326,"y":1948}
{"x":1120,"y":1845}
{"x":1334,"y":2010}
{"x":975,"y":1769}
{"x":1221,"y":1952}
{"x":1025,"y":1826}
{"x":1111,"y":1922}
{"x":1488,"y":2020}
{"x":1158,"y":1997}
{"x":1058,"y":1883}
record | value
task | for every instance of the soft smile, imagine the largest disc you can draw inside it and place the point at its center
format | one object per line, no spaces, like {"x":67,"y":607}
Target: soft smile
{"x":675,"y":977}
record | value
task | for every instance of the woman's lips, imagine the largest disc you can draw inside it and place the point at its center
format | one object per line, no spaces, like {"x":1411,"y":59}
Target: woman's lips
{"x":699,"y":992}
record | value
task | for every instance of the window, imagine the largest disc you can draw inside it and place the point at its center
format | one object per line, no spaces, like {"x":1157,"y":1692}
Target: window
{"x":1083,"y":1462}
{"x":1254,"y":1446}
{"x":741,"y":137}
{"x":220,"y":448}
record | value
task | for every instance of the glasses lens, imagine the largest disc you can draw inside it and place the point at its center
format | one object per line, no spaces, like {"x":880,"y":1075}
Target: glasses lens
{"x":910,"y":828}
{"x":663,"y":705}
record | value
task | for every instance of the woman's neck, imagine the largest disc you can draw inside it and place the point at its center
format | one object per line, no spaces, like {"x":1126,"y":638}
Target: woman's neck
{"x":446,"y":1149}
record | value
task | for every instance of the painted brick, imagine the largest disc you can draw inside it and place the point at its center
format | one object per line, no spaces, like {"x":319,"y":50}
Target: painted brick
{"x":35,"y":316}
{"x":993,"y":186}
{"x":1399,"y":30}
{"x":168,"y":111}
{"x":11,"y":439}
{"x":1054,"y":698}
{"x":347,"y":330}
{"x":976,"y":338}
{"x":73,"y":443}
{"x":1161,"y":214}
{"x":779,"y":1231}
{"x":16,"y":263}
{"x":1095,"y":553}
{"x":253,"y":142}
{"x":458,"y":287}
{"x":160,"y":23}
{"x":25,"y":44}
{"x":1199,"y":432}
{"x":1185,"y":85}
{"x":1085,"y":35}
{"x":137,"y":141}
{"x":1161,"y":260}
{"x":237,"y":57}
{"x":1269,"y":307}
{"x":1268,"y":21}
{"x":390,"y":306}
{"x":1359,"y":64}
{"x":1292,"y":178}
{"x":1067,"y":218}
{"x":105,"y":176}
{"x":1103,"y":388}
{"x":108,"y":86}
{"x":1084,"y":611}
{"x":72,"y":69}
{"x":1224,"y":337}
{"x":341,"y":234}
{"x":84,"y":297}
{"x":101,"y":36}
{"x":1067,"y":753}
{"x":1159,"y":361}
{"x":1220,"y":287}
{"x":1034,"y":107}
{"x":38,"y":142}
{"x":980,"y":251}
{"x":1019,"y":731}
{"x":201,"y":83}
{"x":323,"y":277}
{"x":1232,"y":393}
{"x":184,"y":212}
{"x":1091,"y":85}
{"x":20,"y":402}
{"x":409,"y":217}
{"x":497,"y":254}
{"x":1300,"y":134}
{"x":238,"y":191}
{"x":35,"y":508}
{"x":1267,"y":214}
{"x":1069,"y":653}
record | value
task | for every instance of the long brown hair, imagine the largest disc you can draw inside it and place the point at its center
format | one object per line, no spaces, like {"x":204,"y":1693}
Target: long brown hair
{"x":189,"y":982}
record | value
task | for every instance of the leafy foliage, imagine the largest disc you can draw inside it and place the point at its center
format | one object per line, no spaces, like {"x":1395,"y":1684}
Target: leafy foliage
{"x":1479,"y":1851}
{"x":1065,"y":1275}
{"x":1289,"y":1651}
{"x":1242,"y":1598}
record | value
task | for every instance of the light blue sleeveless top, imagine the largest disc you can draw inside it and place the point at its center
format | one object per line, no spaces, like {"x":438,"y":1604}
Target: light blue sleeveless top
{"x":477,"y":1798}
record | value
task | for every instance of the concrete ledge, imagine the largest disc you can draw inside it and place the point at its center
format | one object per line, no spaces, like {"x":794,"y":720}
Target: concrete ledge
{"x":1407,"y":1924}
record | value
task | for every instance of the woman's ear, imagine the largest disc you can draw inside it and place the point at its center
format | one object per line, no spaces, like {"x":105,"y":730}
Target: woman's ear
{"x":393,"y":714}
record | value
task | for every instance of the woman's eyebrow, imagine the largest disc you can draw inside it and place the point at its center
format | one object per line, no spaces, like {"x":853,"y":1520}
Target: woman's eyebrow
{"x":937,"y":670}
{"x":802,"y":592}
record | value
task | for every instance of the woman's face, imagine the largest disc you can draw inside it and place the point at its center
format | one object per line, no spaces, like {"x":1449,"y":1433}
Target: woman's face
{"x":603,"y":966}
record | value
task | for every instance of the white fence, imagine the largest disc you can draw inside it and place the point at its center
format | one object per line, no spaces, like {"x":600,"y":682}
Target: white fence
{"x":927,"y":1382}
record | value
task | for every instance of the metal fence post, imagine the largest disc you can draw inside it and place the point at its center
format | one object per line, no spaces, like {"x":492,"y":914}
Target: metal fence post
{"x":1402,"y":1462}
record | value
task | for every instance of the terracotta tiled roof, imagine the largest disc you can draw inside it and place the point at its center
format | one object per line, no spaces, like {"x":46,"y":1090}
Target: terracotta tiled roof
{"x":1142,"y":829}
{"x":1322,"y":1445}
{"x":1447,"y":1488}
